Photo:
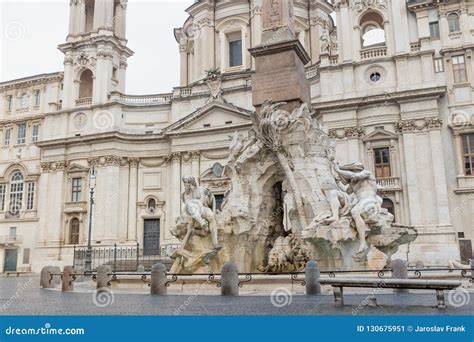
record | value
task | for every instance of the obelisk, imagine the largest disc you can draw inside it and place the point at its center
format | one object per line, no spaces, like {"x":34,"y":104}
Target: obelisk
{"x":280,"y":60}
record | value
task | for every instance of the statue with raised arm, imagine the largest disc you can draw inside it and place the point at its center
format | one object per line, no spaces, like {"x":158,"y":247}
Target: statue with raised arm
{"x":367,"y":208}
{"x":199,"y":205}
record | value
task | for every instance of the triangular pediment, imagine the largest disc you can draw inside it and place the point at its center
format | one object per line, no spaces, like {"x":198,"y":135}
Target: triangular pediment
{"x":211,"y":116}
{"x":77,"y":168}
{"x":380,"y":134}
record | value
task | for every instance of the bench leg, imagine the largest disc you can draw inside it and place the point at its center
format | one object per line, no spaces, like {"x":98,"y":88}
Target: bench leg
{"x":339,"y":296}
{"x":440,"y":299}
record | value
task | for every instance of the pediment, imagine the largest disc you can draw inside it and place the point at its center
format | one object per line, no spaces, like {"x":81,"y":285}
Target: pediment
{"x":76,"y":168}
{"x":380,"y":134}
{"x":212,"y":115}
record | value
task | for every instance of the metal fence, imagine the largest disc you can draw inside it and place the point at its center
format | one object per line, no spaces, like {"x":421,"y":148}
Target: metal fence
{"x":121,"y":258}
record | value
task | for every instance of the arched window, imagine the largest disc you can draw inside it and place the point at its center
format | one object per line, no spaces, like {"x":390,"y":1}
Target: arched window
{"x":86,"y":84}
{"x":453,"y":22}
{"x":373,"y":33}
{"x":74,"y":228}
{"x":16,"y":193}
{"x":388,"y":204}
{"x":24,"y":101}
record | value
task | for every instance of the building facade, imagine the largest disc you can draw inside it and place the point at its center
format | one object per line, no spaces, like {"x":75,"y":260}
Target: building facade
{"x":392,"y":82}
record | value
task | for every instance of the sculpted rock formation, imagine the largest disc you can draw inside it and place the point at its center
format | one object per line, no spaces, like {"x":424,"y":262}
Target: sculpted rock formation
{"x":289,"y":202}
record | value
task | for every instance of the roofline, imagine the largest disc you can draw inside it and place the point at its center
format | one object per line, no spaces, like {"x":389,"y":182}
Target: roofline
{"x":32,"y":78}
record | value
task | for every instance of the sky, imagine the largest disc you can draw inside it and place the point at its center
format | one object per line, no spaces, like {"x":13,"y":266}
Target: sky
{"x":31,"y":30}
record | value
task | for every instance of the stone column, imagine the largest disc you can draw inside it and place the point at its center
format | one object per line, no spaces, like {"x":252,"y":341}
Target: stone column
{"x":312,"y":273}
{"x":132,"y":200}
{"x":399,"y":271}
{"x":68,"y":279}
{"x":121,"y":20}
{"x":256,"y":23}
{"x":174,"y":205}
{"x":158,"y":280}
{"x":73,"y":17}
{"x":183,"y":53}
{"x":195,"y":159}
{"x":439,"y":178}
{"x":230,"y":280}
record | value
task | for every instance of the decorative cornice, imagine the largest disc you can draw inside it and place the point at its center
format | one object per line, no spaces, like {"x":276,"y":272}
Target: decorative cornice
{"x":54,"y":166}
{"x":110,"y":160}
{"x":347,"y":132}
{"x":418,"y":124}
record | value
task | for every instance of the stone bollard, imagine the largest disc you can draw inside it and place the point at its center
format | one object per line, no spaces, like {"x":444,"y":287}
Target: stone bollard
{"x":399,"y":271}
{"x":471,"y":263}
{"x":103,"y":277}
{"x":229,"y":280}
{"x":68,"y":278}
{"x":79,"y":274}
{"x":158,"y":280}
{"x":141,"y":269}
{"x":56,"y":270}
{"x":46,"y":280}
{"x":311,"y":277}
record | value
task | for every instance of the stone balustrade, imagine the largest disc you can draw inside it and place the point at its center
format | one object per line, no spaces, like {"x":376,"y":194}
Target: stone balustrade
{"x":389,"y":183}
{"x":145,"y":99}
{"x":86,"y":101}
{"x":371,"y":53}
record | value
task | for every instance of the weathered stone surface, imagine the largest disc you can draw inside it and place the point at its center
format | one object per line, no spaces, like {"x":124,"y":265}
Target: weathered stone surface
{"x":399,"y":271}
{"x":68,"y":279}
{"x":230,"y":280}
{"x":312,"y":274}
{"x":158,"y":280}
{"x":46,"y":281}
{"x":103,"y":276}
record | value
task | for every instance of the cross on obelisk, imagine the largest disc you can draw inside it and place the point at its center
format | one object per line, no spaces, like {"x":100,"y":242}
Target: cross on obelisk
{"x":280,"y":59}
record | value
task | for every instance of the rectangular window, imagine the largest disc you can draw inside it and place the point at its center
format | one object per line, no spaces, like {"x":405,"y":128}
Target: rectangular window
{"x":382,"y":163}
{"x":30,"y":203}
{"x":468,"y":153}
{"x":76,"y":194}
{"x":21,"y":139}
{"x":7,"y":136}
{"x":438,"y":65}
{"x":9,"y":103}
{"x":235,"y":52}
{"x":37,"y":98}
{"x":434,"y":30}
{"x":26,"y":256}
{"x":34,"y":134}
{"x":219,"y":201}
{"x":459,"y":69}
{"x":3,"y":191}
{"x":12,"y":232}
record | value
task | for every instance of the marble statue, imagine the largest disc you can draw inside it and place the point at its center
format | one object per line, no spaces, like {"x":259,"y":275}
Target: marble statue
{"x":368,"y":204}
{"x":196,"y":229}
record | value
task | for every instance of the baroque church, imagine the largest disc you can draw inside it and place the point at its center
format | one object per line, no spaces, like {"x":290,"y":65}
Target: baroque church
{"x":392,"y":82}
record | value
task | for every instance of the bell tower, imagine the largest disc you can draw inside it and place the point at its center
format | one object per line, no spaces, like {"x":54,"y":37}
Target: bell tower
{"x":95,"y":51}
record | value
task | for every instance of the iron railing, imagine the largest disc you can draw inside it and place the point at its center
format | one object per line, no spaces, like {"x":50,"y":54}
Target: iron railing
{"x":121,"y":258}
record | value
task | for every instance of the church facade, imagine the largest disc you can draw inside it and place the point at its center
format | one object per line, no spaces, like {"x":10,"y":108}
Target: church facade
{"x":391,"y":82}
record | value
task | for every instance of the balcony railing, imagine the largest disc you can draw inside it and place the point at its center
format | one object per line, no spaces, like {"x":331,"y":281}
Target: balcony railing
{"x":146,"y":99}
{"x":10,"y":239}
{"x":372,"y":53}
{"x":86,"y":101}
{"x":389,"y":183}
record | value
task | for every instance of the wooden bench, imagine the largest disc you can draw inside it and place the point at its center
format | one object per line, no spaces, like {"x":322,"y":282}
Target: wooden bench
{"x":413,"y":284}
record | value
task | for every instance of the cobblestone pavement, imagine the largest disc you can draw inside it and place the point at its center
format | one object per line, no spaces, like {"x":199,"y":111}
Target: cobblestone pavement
{"x":22,"y":296}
